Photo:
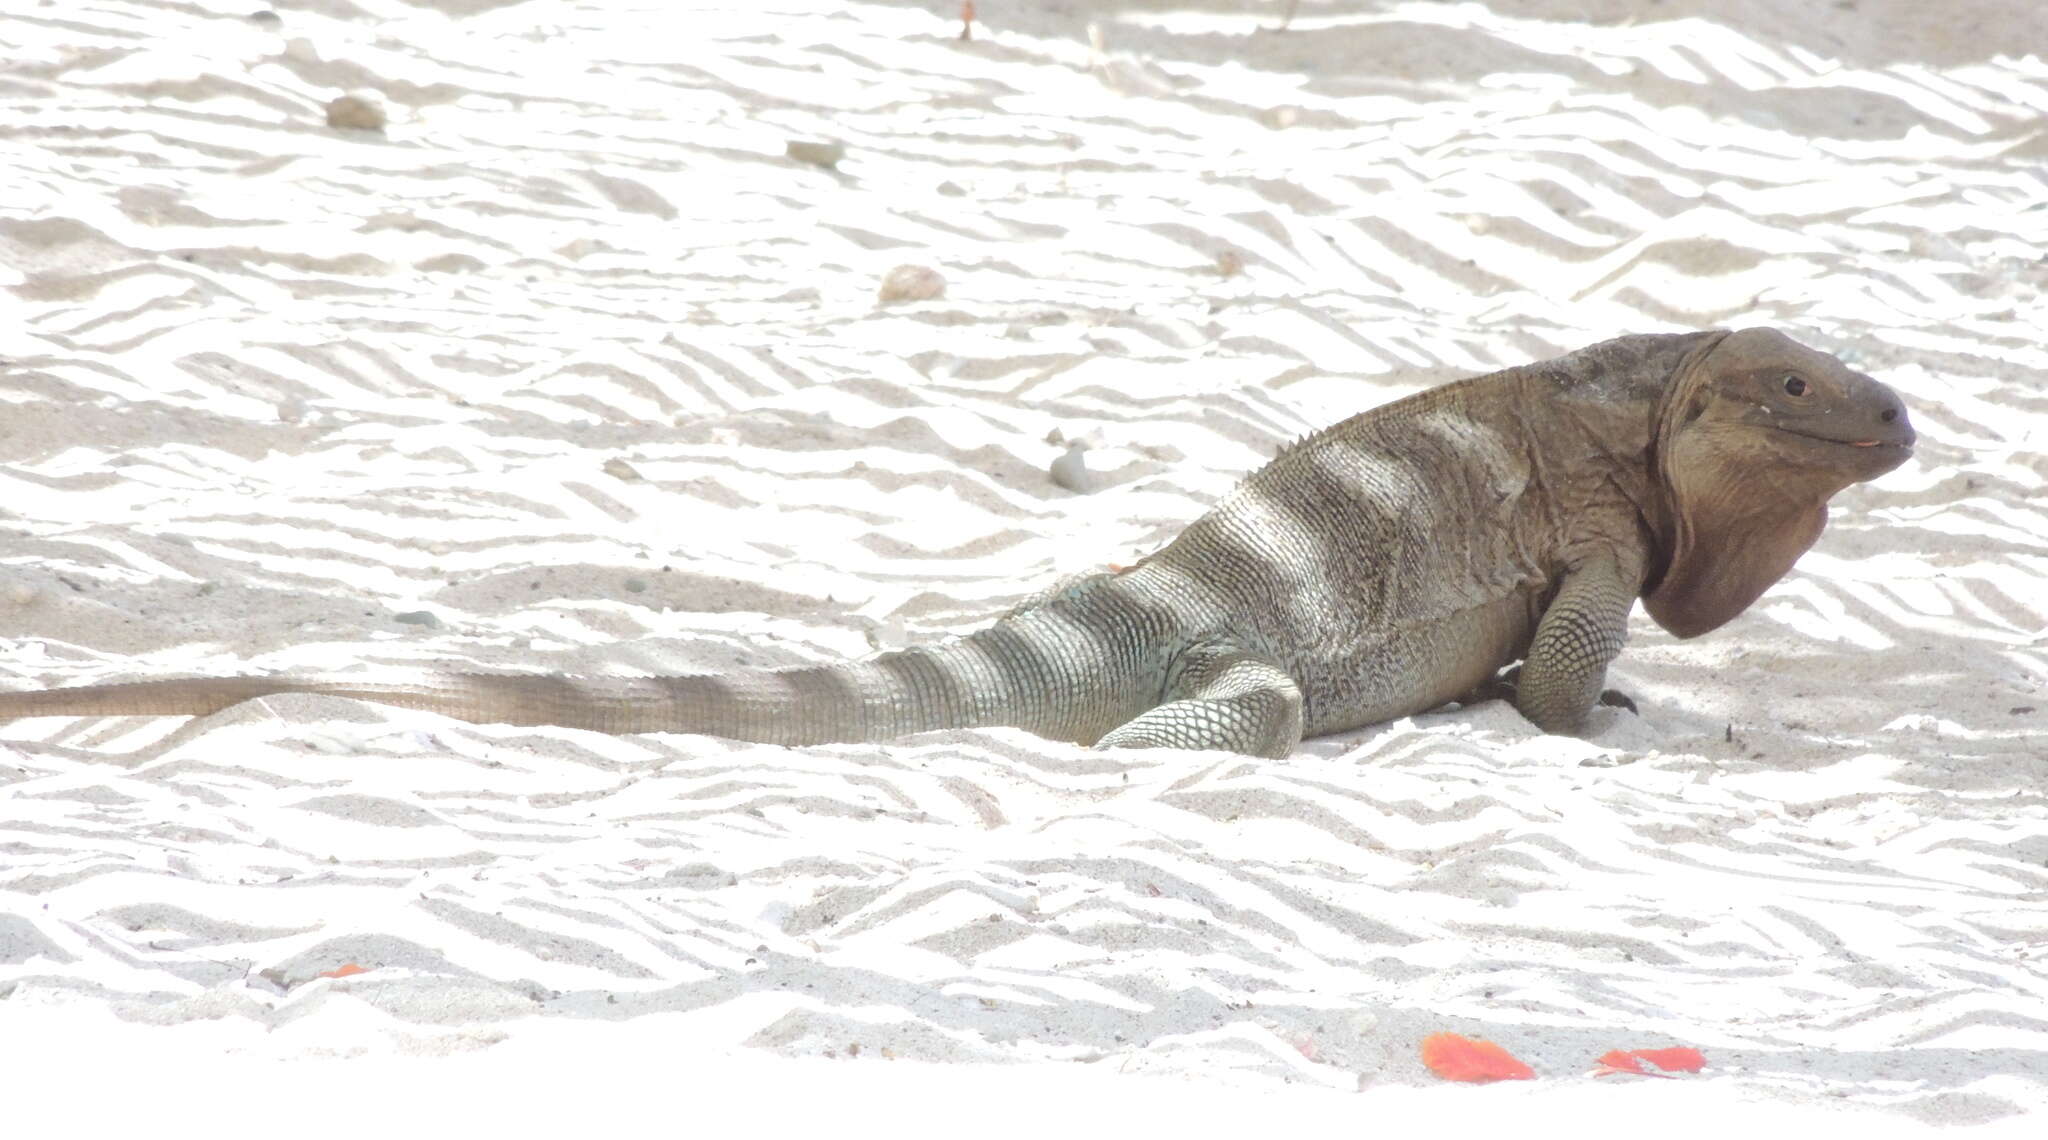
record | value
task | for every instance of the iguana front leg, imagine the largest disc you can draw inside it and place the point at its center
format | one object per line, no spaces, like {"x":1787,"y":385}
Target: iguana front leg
{"x":1219,"y":697}
{"x":1581,"y":631}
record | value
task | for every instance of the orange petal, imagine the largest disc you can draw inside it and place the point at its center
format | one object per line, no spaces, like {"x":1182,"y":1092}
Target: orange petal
{"x":1618,"y":1061}
{"x":1679,"y":1059}
{"x":1623,"y":1061}
{"x":1456,"y":1058}
{"x":344,"y":971}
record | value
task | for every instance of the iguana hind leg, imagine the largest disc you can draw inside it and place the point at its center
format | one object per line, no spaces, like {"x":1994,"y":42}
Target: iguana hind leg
{"x":1219,"y":697}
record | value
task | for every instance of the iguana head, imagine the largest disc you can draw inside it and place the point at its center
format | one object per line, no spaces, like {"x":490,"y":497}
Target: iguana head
{"x":1755,"y":433}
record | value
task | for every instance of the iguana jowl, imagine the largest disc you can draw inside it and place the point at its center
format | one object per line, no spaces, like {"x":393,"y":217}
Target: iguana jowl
{"x":1380,"y":567}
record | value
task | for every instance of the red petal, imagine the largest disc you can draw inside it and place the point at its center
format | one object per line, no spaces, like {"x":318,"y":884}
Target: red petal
{"x":1679,"y":1059}
{"x":1456,"y":1058}
{"x":1619,"y":1061}
{"x":1623,"y":1061}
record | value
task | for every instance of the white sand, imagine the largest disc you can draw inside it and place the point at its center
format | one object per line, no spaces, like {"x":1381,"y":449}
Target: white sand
{"x":572,"y":365}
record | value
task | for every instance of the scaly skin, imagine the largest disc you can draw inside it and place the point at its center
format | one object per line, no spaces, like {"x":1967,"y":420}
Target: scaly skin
{"x":1378,"y":568}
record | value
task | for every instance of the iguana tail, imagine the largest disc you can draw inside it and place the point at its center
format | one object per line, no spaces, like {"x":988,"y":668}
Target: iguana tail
{"x":1073,"y":668}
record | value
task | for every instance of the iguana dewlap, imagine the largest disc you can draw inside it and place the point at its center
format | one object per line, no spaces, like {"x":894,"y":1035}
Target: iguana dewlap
{"x":1378,"y":568}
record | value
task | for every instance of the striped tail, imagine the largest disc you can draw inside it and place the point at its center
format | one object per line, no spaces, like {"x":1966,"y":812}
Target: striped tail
{"x":1057,"y":670}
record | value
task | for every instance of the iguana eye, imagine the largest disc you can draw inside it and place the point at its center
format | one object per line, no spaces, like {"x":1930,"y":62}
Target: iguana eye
{"x":1794,"y":386}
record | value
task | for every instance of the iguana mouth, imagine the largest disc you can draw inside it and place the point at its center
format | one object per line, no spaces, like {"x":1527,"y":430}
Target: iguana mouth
{"x":1904,"y":445}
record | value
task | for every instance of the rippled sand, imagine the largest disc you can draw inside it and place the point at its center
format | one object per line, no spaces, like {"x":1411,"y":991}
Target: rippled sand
{"x":572,"y":368}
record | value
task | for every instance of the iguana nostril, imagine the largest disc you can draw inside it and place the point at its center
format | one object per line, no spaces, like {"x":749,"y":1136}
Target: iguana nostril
{"x":1889,"y":415}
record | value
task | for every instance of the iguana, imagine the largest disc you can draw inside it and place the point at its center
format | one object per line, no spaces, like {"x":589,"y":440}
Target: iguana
{"x":1381,"y":567}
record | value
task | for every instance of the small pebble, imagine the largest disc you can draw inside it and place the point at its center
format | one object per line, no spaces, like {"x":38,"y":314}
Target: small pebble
{"x":911,"y":283}
{"x":825,"y":154}
{"x":889,"y":634}
{"x":1070,"y":470}
{"x":20,"y":593}
{"x":266,"y":19}
{"x":355,"y":113}
{"x":622,"y":471}
{"x":419,"y":617}
{"x":636,"y":585}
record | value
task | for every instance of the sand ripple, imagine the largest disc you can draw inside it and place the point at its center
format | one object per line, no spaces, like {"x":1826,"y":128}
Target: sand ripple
{"x":571,"y":368}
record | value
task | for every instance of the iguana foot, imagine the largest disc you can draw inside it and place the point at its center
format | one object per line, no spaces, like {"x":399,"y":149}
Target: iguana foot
{"x":1506,"y":687}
